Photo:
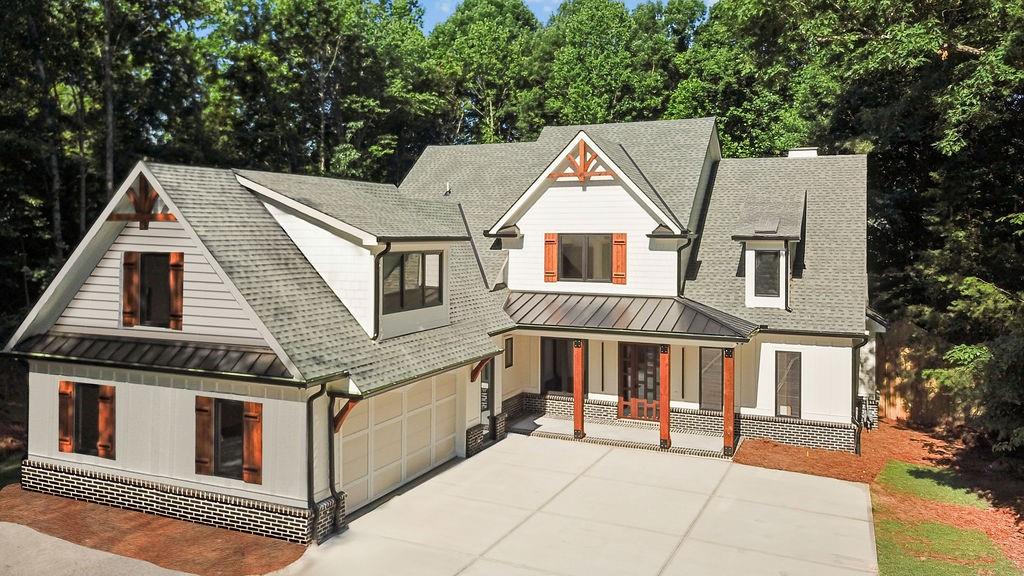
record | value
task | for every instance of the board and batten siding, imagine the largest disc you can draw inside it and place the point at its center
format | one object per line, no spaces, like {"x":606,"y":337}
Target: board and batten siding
{"x":211,"y":312}
{"x":155,"y":429}
{"x":600,"y":207}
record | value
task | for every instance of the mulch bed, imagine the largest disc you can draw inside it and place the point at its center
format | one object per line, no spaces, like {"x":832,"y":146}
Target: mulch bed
{"x":1003,"y":523}
{"x":172,"y":544}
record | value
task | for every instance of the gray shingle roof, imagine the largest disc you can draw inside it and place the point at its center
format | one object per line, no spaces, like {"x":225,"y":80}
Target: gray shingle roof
{"x":663,"y":158}
{"x":374,"y":208}
{"x":626,"y":314}
{"x":828,"y":292}
{"x":314,"y":328}
{"x":669,"y":153}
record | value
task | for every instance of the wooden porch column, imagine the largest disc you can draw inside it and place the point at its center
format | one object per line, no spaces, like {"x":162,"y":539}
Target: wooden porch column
{"x":664,"y":393}
{"x":728,"y":401}
{"x":577,"y":388}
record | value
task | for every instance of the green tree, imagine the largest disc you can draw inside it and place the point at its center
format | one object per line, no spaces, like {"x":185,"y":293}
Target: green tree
{"x":486,"y":55}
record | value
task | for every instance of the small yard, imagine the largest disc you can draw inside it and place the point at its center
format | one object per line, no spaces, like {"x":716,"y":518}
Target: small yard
{"x":939,"y":508}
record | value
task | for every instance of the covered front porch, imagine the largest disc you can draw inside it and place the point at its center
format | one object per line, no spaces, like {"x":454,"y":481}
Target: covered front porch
{"x":650,"y":372}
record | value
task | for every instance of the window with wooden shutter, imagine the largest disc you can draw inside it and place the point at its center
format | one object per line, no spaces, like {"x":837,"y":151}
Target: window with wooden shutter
{"x":176,"y":279}
{"x":252,"y":454}
{"x":550,"y":257}
{"x":204,"y":435}
{"x":66,"y":417}
{"x":130,"y":289}
{"x":618,"y":258}
{"x":106,"y":422}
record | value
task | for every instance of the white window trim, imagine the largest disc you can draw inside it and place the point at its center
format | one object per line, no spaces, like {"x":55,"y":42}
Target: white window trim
{"x":750,"y":251}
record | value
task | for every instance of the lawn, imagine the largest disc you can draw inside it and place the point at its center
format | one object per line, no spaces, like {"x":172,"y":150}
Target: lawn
{"x":938,"y":509}
{"x":935,"y":549}
{"x":929,"y":483}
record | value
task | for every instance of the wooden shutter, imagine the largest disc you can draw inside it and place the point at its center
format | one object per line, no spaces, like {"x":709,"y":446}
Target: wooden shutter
{"x":252,"y":449}
{"x":551,"y":257}
{"x":618,"y":258}
{"x":204,"y":435}
{"x":66,"y":417}
{"x":176,"y":278}
{"x":105,"y":445}
{"x":130,"y":289}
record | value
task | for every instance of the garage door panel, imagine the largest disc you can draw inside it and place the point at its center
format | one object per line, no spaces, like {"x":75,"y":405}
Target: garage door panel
{"x":445,"y":386}
{"x":417,"y":431}
{"x":444,"y":420}
{"x":444,"y":450}
{"x":387,"y":406}
{"x":419,"y":395}
{"x":397,"y":436}
{"x":387,"y":478}
{"x":387,"y":444}
{"x":357,"y":420}
{"x":356,"y":494}
{"x":355,"y":458}
{"x":417,"y":463}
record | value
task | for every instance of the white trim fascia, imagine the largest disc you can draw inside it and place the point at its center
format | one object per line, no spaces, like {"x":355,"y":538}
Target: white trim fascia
{"x":276,"y":198}
{"x":58,"y":280}
{"x":253,"y":316}
{"x":635,"y":191}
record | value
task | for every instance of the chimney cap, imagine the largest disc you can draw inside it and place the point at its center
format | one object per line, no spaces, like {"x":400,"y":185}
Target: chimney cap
{"x":804,"y":152}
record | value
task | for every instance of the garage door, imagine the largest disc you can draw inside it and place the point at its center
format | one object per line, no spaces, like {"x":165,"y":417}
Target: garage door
{"x":397,"y":436}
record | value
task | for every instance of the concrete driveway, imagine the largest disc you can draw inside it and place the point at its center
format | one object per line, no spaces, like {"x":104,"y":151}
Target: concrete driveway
{"x":531,"y":506}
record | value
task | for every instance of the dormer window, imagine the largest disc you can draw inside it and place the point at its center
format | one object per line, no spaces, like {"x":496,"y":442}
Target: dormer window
{"x":152,"y":289}
{"x":411,"y":280}
{"x":766,"y":268}
{"x":767,"y":274}
{"x":155,"y":290}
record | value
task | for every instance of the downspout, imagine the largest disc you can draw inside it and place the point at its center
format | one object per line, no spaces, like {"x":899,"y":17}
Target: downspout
{"x":856,"y":384}
{"x":376,"y":290}
{"x":330,"y":451}
{"x":681,"y":268}
{"x":309,"y":458}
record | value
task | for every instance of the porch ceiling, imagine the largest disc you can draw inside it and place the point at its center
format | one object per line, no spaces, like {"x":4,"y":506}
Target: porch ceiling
{"x":627,"y":314}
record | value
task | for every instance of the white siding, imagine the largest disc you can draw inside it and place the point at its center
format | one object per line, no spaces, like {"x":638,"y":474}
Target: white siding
{"x":211,"y":312}
{"x":155,"y":429}
{"x":346,"y":267}
{"x":601,"y":207}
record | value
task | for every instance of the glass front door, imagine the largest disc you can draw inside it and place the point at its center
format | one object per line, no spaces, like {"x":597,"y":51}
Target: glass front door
{"x":638,"y":381}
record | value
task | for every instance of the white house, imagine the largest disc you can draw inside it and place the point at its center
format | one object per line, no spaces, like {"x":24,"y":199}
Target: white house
{"x":269,"y":352}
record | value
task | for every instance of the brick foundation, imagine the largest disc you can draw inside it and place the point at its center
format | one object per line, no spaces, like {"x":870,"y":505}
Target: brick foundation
{"x":811,"y":433}
{"x":244,"y":515}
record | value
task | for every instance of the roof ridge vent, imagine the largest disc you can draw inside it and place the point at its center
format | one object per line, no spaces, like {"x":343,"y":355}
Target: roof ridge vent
{"x":804,"y":152}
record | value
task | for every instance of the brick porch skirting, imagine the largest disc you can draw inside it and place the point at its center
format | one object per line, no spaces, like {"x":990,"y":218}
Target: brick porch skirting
{"x":476,"y":435}
{"x":842,"y":437}
{"x":242,"y":514}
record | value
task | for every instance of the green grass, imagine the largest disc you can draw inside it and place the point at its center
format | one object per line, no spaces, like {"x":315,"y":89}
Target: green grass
{"x":933,"y":549}
{"x":929,"y":483}
{"x":10,"y":469}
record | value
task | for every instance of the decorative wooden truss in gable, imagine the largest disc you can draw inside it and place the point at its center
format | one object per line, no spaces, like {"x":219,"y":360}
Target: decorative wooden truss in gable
{"x":581,"y":166}
{"x":143,"y":198}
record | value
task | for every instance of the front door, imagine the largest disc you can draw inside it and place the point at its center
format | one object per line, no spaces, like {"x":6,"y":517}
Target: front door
{"x":638,"y":381}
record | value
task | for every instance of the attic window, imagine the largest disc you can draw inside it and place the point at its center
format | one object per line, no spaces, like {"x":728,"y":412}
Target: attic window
{"x":766,"y":273}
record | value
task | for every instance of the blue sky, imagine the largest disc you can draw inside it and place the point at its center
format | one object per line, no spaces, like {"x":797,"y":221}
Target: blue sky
{"x":437,"y":10}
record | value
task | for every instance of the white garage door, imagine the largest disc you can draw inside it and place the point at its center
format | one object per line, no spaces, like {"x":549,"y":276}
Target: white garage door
{"x":397,"y":436}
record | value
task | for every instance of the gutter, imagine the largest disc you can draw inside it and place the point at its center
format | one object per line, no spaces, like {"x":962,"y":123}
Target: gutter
{"x":376,"y":290}
{"x":310,"y":492}
{"x":680,"y":266}
{"x":856,"y":382}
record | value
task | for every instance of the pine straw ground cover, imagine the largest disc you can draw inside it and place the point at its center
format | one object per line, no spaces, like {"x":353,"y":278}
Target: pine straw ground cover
{"x":902,"y":515}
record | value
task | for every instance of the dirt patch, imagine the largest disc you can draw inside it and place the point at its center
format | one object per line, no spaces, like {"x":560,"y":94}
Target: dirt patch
{"x":172,"y":544}
{"x":1003,"y":523}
